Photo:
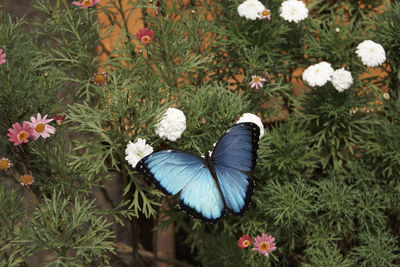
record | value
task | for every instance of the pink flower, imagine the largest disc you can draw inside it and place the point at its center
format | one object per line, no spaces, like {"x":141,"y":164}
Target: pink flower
{"x":145,"y":35}
{"x":40,"y":127}
{"x":256,"y":81}
{"x":85,"y":3}
{"x":244,"y":241}
{"x":265,"y":14}
{"x":20,"y":134}
{"x":2,"y":57}
{"x":264,"y":244}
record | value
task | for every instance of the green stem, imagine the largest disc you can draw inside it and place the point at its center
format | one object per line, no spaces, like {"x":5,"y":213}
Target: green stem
{"x":72,"y":21}
{"x":37,"y":204}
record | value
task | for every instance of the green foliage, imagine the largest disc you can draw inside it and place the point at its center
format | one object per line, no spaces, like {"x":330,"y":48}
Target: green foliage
{"x":327,"y":254}
{"x":327,"y":175}
{"x":378,"y":249}
{"x":71,"y":229}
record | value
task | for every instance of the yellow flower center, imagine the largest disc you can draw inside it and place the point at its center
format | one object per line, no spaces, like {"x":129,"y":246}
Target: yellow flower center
{"x":265,"y":13}
{"x":246,"y":243}
{"x":146,"y":39}
{"x":4,"y":164}
{"x":87,"y":3}
{"x":264,"y":245}
{"x":256,"y":79}
{"x":39,"y":128}
{"x":100,"y":79}
{"x":22,"y":136}
{"x":26,"y":179}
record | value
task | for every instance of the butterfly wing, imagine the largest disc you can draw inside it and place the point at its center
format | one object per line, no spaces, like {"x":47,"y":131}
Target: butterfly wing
{"x":233,"y":156}
{"x":176,"y":171}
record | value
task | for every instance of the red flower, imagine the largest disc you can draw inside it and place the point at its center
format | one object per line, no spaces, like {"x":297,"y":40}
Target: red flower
{"x":145,"y":35}
{"x":59,"y":119}
{"x":244,"y":241}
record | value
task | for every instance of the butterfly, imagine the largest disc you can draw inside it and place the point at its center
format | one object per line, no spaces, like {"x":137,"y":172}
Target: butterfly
{"x":211,"y":185}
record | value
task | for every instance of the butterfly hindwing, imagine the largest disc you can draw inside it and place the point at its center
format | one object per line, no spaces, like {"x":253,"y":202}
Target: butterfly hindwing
{"x":174,"y":171}
{"x":237,"y":188}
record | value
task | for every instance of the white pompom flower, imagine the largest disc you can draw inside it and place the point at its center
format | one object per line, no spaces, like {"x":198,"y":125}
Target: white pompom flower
{"x":341,"y":79}
{"x":250,"y":117}
{"x":172,"y":125}
{"x":136,"y":151}
{"x":251,"y":9}
{"x":293,"y":10}
{"x":318,"y":74}
{"x":372,"y":54}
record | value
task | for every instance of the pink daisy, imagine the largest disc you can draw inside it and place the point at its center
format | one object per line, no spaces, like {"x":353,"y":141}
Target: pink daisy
{"x":265,"y":14}
{"x":256,"y":81}
{"x":85,"y":3}
{"x":20,"y":134}
{"x":40,"y":127}
{"x":2,"y":57}
{"x":264,"y":244}
{"x":145,"y":35}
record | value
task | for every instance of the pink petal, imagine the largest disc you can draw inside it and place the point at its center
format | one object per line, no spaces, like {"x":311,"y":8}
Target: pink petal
{"x":35,"y":136}
{"x":50,"y":129}
{"x":13,"y":139}
{"x":17,"y":127}
{"x":12,"y":131}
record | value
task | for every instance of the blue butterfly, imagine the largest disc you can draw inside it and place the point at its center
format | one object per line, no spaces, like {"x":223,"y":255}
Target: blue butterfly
{"x":212,"y":184}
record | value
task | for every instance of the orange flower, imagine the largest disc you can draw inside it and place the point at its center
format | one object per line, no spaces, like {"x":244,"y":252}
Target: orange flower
{"x":26,"y":180}
{"x":100,"y":78}
{"x":5,"y":164}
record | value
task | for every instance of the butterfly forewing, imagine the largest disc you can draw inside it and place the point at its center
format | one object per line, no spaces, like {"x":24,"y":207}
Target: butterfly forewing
{"x":174,"y":171}
{"x":237,"y":148}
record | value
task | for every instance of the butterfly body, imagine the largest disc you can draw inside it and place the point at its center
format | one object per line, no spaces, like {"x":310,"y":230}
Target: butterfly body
{"x":208,"y":186}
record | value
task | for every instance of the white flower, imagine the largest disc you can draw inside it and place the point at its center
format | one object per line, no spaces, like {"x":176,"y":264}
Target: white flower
{"x":136,"y":151}
{"x":341,"y":79}
{"x":172,"y":124}
{"x":293,"y":10}
{"x":386,"y":96}
{"x":249,"y":117}
{"x":318,"y":74}
{"x":372,"y":54}
{"x":251,"y":9}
